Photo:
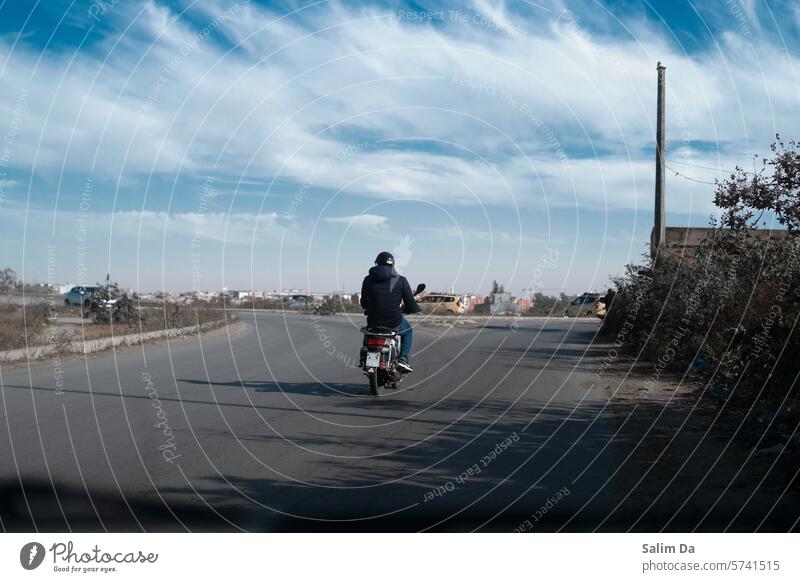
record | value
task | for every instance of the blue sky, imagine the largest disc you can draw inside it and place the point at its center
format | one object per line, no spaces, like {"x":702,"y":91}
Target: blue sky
{"x":214,"y":144}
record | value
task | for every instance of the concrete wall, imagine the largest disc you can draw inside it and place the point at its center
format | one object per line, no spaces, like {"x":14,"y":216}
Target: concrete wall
{"x":679,"y":239}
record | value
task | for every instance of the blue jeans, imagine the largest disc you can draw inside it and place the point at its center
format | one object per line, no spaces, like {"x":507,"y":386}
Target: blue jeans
{"x":405,"y":330}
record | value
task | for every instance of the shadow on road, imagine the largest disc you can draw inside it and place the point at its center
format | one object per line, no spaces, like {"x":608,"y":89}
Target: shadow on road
{"x":309,"y":388}
{"x":622,"y":470}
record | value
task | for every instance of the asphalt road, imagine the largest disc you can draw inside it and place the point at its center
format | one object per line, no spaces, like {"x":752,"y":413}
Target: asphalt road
{"x":272,"y":427}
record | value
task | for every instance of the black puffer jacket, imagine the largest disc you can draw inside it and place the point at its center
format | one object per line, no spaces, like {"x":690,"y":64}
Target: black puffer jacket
{"x":381,"y":293}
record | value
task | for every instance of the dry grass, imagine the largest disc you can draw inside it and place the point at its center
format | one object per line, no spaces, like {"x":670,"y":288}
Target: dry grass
{"x":29,"y":326}
{"x":22,"y":325}
{"x":159,"y":319}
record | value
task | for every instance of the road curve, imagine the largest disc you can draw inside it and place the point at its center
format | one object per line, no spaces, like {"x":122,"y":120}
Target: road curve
{"x":272,"y":428}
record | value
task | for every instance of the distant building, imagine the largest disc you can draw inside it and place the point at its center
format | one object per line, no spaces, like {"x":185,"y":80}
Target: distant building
{"x":498,"y":303}
{"x":472,"y":301}
{"x":684,"y":239}
{"x":525,"y":304}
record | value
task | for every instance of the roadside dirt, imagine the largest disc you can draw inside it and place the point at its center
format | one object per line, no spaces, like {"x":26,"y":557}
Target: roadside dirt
{"x":691,"y":460}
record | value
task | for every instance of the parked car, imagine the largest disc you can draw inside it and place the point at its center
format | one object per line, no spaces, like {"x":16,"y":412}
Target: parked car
{"x":586,"y":305}
{"x":441,"y":303}
{"x":600,"y":307}
{"x":300,"y":302}
{"x":604,"y":303}
{"x":80,"y":295}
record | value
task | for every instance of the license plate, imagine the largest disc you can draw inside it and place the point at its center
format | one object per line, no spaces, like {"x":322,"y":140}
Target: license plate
{"x":373,"y":359}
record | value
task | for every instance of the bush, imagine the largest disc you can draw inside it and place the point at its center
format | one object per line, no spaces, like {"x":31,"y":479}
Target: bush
{"x":261,"y":303}
{"x":730,"y":305}
{"x":332,"y":304}
{"x":22,"y":325}
{"x":549,"y":305}
{"x":111,"y":305}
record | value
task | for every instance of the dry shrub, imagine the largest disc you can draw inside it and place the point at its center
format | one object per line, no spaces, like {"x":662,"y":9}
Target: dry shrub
{"x":21,"y":326}
{"x":728,"y":309}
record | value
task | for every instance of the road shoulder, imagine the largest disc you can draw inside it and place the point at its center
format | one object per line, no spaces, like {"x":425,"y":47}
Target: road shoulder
{"x":688,"y":460}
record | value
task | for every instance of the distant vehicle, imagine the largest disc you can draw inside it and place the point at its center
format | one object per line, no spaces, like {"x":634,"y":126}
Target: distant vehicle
{"x":299,"y":302}
{"x":80,"y":295}
{"x":586,"y":305}
{"x":600,"y":307}
{"x":441,"y":303}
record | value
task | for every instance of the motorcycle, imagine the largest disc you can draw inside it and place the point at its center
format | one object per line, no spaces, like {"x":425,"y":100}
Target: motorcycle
{"x":381,"y":354}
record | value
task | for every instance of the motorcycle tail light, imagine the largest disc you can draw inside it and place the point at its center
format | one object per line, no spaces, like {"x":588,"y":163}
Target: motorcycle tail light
{"x":376,"y":341}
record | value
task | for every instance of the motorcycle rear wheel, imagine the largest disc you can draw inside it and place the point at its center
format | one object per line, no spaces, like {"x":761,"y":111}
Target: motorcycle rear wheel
{"x":374,"y":384}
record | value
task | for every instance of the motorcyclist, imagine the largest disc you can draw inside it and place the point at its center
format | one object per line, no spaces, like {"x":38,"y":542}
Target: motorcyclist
{"x":381,"y":294}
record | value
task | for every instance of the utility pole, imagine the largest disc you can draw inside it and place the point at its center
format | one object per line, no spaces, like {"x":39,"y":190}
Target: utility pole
{"x":659,"y":230}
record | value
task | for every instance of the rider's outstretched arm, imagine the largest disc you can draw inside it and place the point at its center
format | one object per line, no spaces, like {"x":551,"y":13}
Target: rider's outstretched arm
{"x":409,"y":303}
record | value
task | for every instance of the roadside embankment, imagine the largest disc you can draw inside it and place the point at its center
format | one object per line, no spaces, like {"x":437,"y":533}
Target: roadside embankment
{"x":681,"y":445}
{"x":60,"y":346}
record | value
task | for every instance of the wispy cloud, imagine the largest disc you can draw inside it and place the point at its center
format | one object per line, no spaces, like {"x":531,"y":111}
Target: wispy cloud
{"x":266,"y":95}
{"x":369,"y":222}
{"x":234,"y":228}
{"x":539,"y":115}
{"x":148,"y":225}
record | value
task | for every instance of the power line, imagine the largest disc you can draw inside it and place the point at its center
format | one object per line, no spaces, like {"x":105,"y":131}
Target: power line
{"x":717,"y":169}
{"x":683,"y":163}
{"x":691,"y":179}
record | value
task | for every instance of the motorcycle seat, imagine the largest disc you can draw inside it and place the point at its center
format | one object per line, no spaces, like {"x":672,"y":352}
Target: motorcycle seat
{"x":378,"y":330}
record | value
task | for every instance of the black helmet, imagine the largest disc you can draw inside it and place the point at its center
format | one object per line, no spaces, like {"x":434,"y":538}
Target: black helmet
{"x":384,"y":258}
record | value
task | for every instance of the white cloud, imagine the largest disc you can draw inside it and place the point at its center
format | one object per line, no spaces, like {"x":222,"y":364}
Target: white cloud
{"x":149,"y":226}
{"x":360,"y":221}
{"x":234,"y":228}
{"x":490,"y":112}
